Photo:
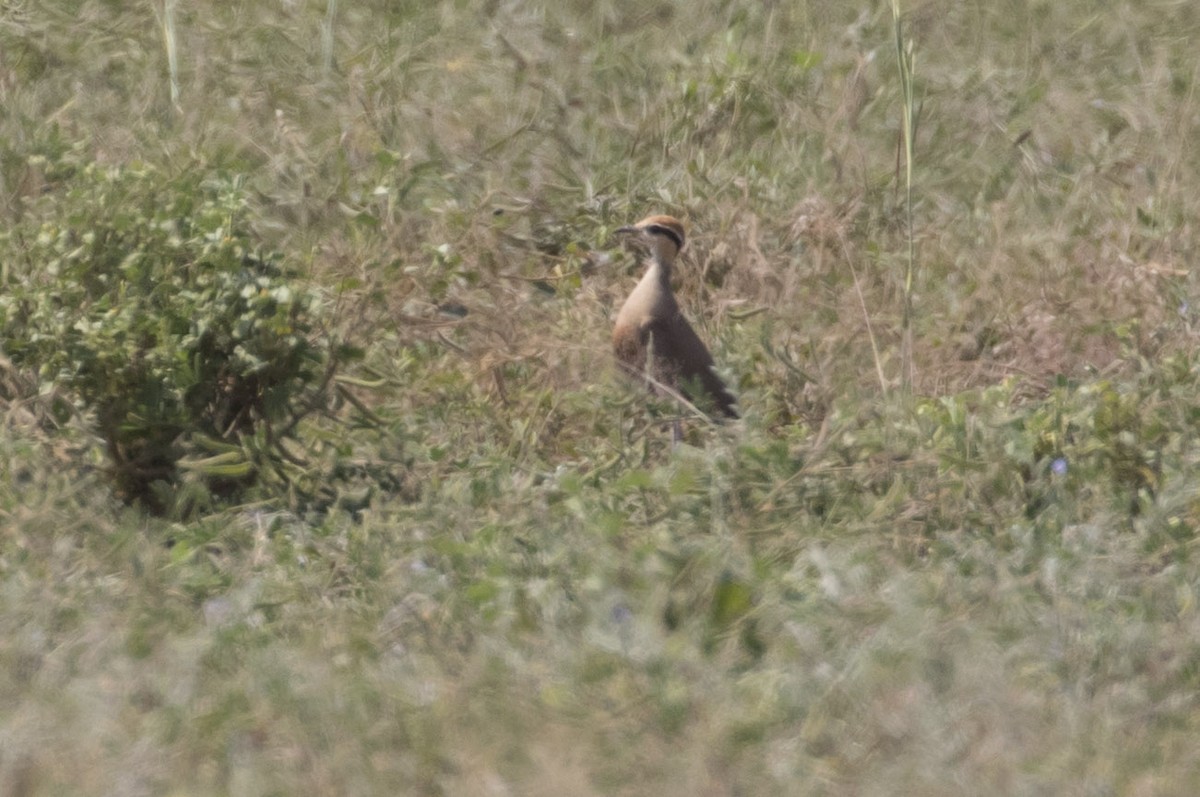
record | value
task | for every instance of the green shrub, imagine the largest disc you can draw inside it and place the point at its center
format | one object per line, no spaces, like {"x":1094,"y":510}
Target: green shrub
{"x":144,"y":296}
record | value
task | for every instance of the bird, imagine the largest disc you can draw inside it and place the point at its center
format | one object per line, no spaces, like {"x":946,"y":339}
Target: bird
{"x":652,"y":339}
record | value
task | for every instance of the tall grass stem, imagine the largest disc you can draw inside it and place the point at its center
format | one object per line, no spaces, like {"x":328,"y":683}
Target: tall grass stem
{"x":327,"y":36}
{"x":167,"y":20}
{"x":905,"y":56}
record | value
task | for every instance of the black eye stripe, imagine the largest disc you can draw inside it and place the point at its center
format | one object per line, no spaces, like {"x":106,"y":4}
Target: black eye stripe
{"x":658,"y":229}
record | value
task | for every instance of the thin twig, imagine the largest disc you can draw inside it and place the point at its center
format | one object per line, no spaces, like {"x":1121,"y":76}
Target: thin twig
{"x":862,"y":302}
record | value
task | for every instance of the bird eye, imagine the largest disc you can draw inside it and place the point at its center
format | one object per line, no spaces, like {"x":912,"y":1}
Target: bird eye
{"x":658,"y":229}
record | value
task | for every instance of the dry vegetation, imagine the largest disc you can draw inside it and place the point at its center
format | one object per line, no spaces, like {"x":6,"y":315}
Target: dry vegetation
{"x":984,"y":585}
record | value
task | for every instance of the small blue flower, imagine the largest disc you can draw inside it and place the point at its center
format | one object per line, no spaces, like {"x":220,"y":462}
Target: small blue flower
{"x":1059,"y":466}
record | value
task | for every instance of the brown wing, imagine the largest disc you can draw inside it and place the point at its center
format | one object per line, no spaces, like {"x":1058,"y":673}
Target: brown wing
{"x":688,"y":365}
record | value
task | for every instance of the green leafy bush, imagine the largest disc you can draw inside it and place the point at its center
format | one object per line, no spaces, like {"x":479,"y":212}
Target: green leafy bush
{"x":144,"y":296}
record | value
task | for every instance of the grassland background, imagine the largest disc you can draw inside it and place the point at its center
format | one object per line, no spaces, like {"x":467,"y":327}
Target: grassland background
{"x":986,"y":587}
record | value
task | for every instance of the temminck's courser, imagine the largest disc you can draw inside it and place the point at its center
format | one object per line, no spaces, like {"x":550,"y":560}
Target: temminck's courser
{"x":652,"y":338}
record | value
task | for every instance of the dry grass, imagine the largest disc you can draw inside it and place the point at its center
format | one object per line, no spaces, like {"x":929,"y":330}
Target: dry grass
{"x":854,"y":592}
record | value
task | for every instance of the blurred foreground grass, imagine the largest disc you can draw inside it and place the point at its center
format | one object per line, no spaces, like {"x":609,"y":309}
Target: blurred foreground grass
{"x":986,"y":587}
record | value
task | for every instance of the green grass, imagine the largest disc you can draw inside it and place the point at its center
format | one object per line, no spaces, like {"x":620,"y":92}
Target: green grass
{"x":985,"y":585}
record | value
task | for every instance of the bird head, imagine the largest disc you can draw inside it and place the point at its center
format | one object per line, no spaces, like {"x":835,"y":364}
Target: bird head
{"x":664,"y":235}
